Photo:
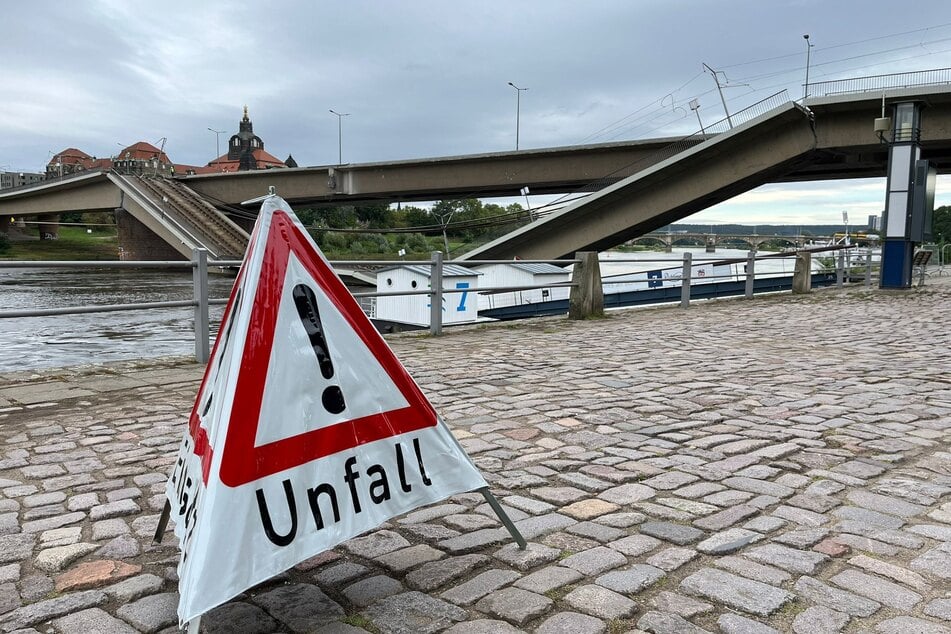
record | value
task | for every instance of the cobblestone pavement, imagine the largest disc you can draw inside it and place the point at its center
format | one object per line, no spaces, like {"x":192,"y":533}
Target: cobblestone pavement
{"x":780,"y":464}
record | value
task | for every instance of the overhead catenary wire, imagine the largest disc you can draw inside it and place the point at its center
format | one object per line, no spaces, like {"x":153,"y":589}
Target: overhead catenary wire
{"x":620,"y":126}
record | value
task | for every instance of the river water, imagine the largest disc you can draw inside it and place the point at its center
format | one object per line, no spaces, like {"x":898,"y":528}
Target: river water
{"x":67,"y":340}
{"x":44,"y":342}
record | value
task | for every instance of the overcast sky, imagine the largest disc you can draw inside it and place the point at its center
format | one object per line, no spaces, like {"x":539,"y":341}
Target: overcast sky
{"x":425,"y":79}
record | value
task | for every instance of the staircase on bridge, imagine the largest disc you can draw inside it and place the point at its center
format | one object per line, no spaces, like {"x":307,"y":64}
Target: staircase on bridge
{"x":179,"y":212}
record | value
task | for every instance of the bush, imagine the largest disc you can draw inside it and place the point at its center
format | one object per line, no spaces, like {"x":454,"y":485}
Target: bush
{"x":4,"y":243}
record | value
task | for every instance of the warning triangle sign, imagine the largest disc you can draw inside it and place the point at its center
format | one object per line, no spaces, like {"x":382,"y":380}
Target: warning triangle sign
{"x":321,"y":321}
{"x":306,"y":431}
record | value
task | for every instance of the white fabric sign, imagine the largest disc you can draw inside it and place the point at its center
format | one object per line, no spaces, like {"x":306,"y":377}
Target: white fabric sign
{"x":306,"y":431}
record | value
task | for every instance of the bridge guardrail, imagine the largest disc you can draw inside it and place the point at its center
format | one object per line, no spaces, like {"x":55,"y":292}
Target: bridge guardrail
{"x":723,"y":125}
{"x":851,"y":265}
{"x":933,"y":77}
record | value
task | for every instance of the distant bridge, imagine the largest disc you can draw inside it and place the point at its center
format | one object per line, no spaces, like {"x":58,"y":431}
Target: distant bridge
{"x":712,"y":240}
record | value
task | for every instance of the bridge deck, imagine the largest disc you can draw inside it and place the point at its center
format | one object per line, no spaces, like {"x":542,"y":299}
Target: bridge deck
{"x":786,"y":141}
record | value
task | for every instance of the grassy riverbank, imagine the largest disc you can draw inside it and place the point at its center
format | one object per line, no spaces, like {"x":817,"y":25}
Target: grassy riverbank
{"x":74,"y":243}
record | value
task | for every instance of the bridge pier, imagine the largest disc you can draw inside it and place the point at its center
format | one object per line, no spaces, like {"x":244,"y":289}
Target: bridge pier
{"x":138,"y":242}
{"x":49,"y":227}
{"x":711,"y":244}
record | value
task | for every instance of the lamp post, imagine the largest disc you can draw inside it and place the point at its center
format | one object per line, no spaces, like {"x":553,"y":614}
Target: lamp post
{"x":340,"y":116}
{"x":695,"y":106}
{"x":845,"y":221}
{"x":805,"y":89}
{"x":217,"y":146}
{"x":518,"y":109}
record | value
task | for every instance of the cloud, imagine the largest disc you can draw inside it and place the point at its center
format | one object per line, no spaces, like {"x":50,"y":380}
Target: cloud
{"x":429,"y":78}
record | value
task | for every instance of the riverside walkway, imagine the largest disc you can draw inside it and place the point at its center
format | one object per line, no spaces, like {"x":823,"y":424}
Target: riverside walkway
{"x":744,"y":466}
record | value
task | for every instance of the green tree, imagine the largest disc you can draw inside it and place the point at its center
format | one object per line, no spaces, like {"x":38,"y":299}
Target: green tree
{"x":942,"y":224}
{"x":374,"y":216}
{"x":412,"y":217}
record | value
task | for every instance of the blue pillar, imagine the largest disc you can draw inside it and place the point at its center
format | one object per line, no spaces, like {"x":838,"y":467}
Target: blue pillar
{"x":903,"y":155}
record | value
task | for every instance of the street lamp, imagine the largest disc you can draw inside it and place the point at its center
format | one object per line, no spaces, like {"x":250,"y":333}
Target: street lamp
{"x":845,"y":220}
{"x":518,"y":108}
{"x":805,"y":89}
{"x":217,"y":146}
{"x":695,"y":106}
{"x":340,"y":116}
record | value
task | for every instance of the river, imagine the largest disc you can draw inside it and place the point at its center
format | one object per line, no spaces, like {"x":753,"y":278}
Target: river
{"x":67,"y":340}
{"x":44,"y":342}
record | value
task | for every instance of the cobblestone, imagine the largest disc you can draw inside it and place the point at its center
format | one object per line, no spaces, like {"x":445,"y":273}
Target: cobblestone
{"x":736,"y":592}
{"x":600,"y":602}
{"x":696,"y":478}
{"x":571,"y":623}
{"x":515,"y":605}
{"x":877,"y":589}
{"x":819,"y":620}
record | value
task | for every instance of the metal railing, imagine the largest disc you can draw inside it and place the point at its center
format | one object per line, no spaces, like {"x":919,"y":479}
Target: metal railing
{"x":877,"y":83}
{"x":200,"y":301}
{"x":850,"y":265}
{"x":685,"y":143}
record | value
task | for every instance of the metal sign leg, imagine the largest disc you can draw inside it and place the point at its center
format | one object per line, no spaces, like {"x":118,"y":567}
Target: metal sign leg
{"x":162,"y":524}
{"x":193,"y":626}
{"x":503,"y":516}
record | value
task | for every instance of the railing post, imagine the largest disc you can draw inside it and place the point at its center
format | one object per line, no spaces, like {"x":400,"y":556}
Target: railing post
{"x":750,"y":273}
{"x":200,"y":287}
{"x":587,"y":297}
{"x":802,"y":274}
{"x":435,"y":295}
{"x":685,"y":280}
{"x":840,"y":269}
{"x":868,"y":268}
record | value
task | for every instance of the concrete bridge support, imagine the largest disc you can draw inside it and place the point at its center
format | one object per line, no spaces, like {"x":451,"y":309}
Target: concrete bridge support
{"x":49,"y":226}
{"x":711,"y":244}
{"x":138,"y":242}
{"x":586,"y":299}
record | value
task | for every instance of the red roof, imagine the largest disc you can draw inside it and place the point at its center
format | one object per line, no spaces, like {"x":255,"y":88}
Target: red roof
{"x":141,"y":151}
{"x":263,"y":158}
{"x":181,"y":168}
{"x":78,"y":158}
{"x":70,"y":156}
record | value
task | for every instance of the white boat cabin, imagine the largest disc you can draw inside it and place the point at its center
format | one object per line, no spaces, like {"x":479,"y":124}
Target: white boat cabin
{"x":461,"y":307}
{"x":516,"y":273}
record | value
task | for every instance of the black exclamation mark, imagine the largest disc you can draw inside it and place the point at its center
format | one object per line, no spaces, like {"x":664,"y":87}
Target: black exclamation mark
{"x":306,"y":303}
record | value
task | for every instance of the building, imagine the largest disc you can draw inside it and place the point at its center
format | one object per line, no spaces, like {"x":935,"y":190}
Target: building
{"x":18,"y":179}
{"x":874,"y":223}
{"x":72,"y":161}
{"x":459,"y":307}
{"x":143,"y":159}
{"x":246,"y":152}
